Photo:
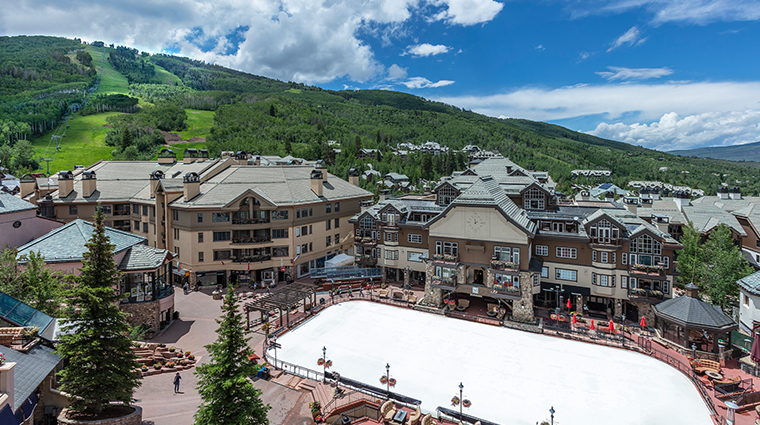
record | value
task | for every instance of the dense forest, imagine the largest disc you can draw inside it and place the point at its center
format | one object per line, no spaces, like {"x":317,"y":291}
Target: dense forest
{"x":42,"y":77}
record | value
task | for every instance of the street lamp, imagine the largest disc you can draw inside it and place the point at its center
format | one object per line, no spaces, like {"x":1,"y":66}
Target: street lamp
{"x":324,"y":364}
{"x":461,"y":387}
{"x":551,"y":411}
{"x":388,"y":379}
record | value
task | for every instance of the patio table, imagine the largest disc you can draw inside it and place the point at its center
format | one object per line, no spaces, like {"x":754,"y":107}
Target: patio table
{"x":400,"y":416}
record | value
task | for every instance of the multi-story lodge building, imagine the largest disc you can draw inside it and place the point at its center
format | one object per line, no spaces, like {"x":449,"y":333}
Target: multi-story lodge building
{"x":228,"y":220}
{"x":498,"y":231}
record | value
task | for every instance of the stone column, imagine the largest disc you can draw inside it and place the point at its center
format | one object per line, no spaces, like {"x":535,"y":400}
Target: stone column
{"x":490,"y":277}
{"x":618,"y":308}
{"x":433,"y":296}
{"x":579,"y":303}
{"x":407,"y":272}
{"x":523,"y":310}
{"x":385,"y":276}
{"x":461,"y":275}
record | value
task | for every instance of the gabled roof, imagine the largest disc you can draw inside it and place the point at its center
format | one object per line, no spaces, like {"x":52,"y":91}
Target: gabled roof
{"x":31,"y":369}
{"x":694,"y":312}
{"x":750,"y":283}
{"x":11,"y":204}
{"x":706,"y":217}
{"x":144,"y":257}
{"x":68,"y":243}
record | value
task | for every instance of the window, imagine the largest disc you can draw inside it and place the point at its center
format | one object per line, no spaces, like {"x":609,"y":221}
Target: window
{"x":137,"y":225}
{"x":604,"y":232}
{"x":336,"y":223}
{"x":153,"y":210}
{"x":504,"y":253}
{"x":614,"y":258}
{"x":298,"y":213}
{"x":446,"y":194}
{"x":328,"y":208}
{"x":594,"y":256}
{"x":200,"y":237}
{"x":135,"y":209}
{"x":304,"y":212}
{"x":602,"y":280}
{"x":745,"y":300}
{"x":644,"y":244}
{"x":545,"y":272}
{"x":145,"y":227}
{"x":391,"y":255}
{"x":666,"y":288}
{"x":624,"y":258}
{"x":666,"y":262}
{"x":328,"y":240}
{"x":279,"y":233}
{"x":303,"y":230}
{"x":563,"y":274}
{"x":542,"y":250}
{"x":221,"y":236}
{"x":337,"y":206}
{"x":414,"y":238}
{"x":200,"y":256}
{"x":280,"y":215}
{"x":311,"y":246}
{"x":414,"y":256}
{"x":328,"y":224}
{"x":311,"y":212}
{"x":391,"y":237}
{"x":624,"y":282}
{"x":105,"y":209}
{"x":605,"y":257}
{"x":563,"y":252}
{"x":534,"y":199}
{"x":337,"y":238}
{"x":175,"y":215}
{"x":281,"y":251}
{"x":220,"y":217}
{"x":222,"y":255}
{"x":176,"y":248}
{"x":145,"y":210}
{"x":176,"y":234}
{"x":446,"y":248}
{"x":298,"y":249}
{"x":298,"y":231}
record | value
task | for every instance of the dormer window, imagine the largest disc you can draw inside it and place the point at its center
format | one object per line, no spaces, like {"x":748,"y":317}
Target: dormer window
{"x":534,"y":199}
{"x":604,"y":231}
{"x":446,"y":195}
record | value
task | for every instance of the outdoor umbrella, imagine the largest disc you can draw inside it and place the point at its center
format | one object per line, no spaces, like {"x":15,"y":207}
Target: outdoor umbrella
{"x":575,"y":321}
{"x":754,"y":354}
{"x":592,"y":325}
{"x":643,"y":322}
{"x":569,"y":304}
{"x":612,"y":326}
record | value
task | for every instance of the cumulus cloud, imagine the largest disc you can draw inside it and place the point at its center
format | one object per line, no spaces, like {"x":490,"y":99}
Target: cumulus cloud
{"x":301,"y":40}
{"x":396,"y":72}
{"x":700,"y":12}
{"x":626,"y":74}
{"x":424,"y":83}
{"x":632,"y":37}
{"x":673,"y":132}
{"x":540,"y":47}
{"x":426,"y":49}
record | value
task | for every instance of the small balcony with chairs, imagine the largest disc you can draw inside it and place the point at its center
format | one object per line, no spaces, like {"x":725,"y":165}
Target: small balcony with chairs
{"x":450,"y":260}
{"x":365,"y":241}
{"x":365,"y":259}
{"x":646,"y":270}
{"x":649,"y":291}
{"x":501,"y":267}
{"x":448,"y":283}
{"x":251,"y":237}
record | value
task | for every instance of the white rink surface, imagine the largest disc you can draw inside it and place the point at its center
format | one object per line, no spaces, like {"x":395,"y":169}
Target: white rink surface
{"x":511,"y":377}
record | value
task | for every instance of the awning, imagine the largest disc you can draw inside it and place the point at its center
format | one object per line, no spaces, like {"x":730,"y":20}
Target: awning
{"x":180,"y":272}
{"x":566,"y":289}
{"x":253,"y":356}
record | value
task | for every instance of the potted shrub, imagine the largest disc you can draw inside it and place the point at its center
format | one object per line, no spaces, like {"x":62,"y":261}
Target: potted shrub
{"x":170,"y":365}
{"x":191,"y":357}
{"x":157,"y":366}
{"x":172,"y":349}
{"x":144,"y":368}
{"x":316,"y":409}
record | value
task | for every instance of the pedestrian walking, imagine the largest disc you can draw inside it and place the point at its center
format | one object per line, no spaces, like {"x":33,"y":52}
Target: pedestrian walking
{"x":177,"y":378}
{"x":350,"y":292}
{"x":268,"y":291}
{"x":186,"y":287}
{"x":361,"y":292}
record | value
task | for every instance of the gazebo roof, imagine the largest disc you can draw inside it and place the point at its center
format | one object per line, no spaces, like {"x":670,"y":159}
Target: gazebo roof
{"x":693,"y":313}
{"x":283,"y":298}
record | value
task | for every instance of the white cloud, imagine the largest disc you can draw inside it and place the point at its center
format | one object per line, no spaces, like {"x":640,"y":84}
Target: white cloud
{"x":626,"y":74}
{"x":700,"y":12}
{"x":672,"y":132}
{"x":632,"y":37}
{"x":540,"y":47}
{"x":426,"y":49}
{"x":396,"y":72}
{"x":301,"y":40}
{"x":424,"y":83}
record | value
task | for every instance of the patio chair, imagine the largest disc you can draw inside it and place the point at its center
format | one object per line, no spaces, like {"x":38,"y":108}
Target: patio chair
{"x":462,"y":304}
{"x":493,"y":309}
{"x":427,"y":419}
{"x":383,"y":293}
{"x":388,"y":410}
{"x":412,"y":299}
{"x":727,"y":380}
{"x":415,"y":416}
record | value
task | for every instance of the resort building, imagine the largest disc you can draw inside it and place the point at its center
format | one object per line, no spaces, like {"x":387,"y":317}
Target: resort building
{"x":226,"y":220}
{"x":19,"y":221}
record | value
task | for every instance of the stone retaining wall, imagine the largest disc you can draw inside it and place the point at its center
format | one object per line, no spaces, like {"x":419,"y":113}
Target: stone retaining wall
{"x":134,"y":418}
{"x":145,"y":313}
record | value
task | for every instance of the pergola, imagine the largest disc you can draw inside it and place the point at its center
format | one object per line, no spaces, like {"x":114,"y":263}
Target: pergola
{"x":281,"y":299}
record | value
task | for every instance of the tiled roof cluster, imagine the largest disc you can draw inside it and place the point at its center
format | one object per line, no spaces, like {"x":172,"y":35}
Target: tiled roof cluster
{"x":12,"y":204}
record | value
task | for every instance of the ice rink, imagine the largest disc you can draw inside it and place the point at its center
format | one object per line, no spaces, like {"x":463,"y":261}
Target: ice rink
{"x":511,"y":377}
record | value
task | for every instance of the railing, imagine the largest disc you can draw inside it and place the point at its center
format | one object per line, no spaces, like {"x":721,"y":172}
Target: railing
{"x":250,"y":220}
{"x":513,"y":291}
{"x":293,"y":369}
{"x":647,"y":270}
{"x":365,"y":241}
{"x":252,"y":259}
{"x":599,"y":336}
{"x":260,"y":239}
{"x":365,"y":260}
{"x":504,"y":265}
{"x":123,"y":227}
{"x":363,"y":411}
{"x":645,"y":293}
{"x":447,"y":283}
{"x":343,"y":273}
{"x":446,"y":258}
{"x":122,"y":212}
{"x":605,"y":241}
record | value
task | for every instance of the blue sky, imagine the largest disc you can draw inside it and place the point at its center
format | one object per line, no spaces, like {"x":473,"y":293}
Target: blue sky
{"x":662,"y":74}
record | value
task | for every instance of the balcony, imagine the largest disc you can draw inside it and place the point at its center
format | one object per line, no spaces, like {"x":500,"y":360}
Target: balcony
{"x":505,"y":292}
{"x":252,"y":259}
{"x":598,"y":242}
{"x":505,"y":266}
{"x":250,"y":220}
{"x":646,"y":295}
{"x":255,"y":240}
{"x":122,"y":212}
{"x":365,"y":260}
{"x":365,"y":241}
{"x":644,"y":270}
{"x":123,"y":227}
{"x":446,"y":259}
{"x":445,"y":283}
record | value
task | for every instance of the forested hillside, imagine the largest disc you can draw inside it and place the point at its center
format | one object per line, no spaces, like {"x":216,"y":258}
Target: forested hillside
{"x":747,"y":152}
{"x":273,"y":117}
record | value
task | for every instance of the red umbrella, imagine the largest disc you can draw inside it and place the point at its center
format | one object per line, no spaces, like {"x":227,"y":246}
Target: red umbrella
{"x":612,"y":326}
{"x":643,"y":322}
{"x":569,"y":304}
{"x":754,"y":354}
{"x":592,"y":326}
{"x":575,"y":321}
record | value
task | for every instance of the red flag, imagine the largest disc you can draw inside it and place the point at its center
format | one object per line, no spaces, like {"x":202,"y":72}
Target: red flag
{"x":222,"y":262}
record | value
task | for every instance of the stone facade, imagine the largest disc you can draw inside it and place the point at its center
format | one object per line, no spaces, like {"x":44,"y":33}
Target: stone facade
{"x":645,"y":309}
{"x":145,"y":313}
{"x":134,"y":418}
{"x":433,"y":296}
{"x":523,"y":310}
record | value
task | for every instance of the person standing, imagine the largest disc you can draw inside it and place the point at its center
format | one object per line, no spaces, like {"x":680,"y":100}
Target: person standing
{"x":177,"y":378}
{"x":186,"y":287}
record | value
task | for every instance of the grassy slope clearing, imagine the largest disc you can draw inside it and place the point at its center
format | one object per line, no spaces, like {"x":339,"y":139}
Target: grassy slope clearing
{"x":199,"y":124}
{"x":84,"y":143}
{"x":111,"y":80}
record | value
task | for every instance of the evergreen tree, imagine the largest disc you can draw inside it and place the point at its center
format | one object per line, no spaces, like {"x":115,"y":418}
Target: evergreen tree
{"x":690,"y":264}
{"x":228,"y":397}
{"x":725,"y":265}
{"x":426,"y":167}
{"x":10,"y":275}
{"x":96,"y":351}
{"x":42,"y":287}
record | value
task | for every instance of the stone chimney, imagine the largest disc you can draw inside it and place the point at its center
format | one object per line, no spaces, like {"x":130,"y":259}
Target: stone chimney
{"x":735,"y":193}
{"x":192,"y":185}
{"x":65,"y":183}
{"x":241,"y":158}
{"x":631,"y":204}
{"x":353,"y":176}
{"x":681,"y":199}
{"x":692,"y":290}
{"x":167,"y":156}
{"x":609,"y":196}
{"x":385,"y":194}
{"x":318,"y":178}
{"x":661,"y":221}
{"x":27,"y":184}
{"x":646,"y":202}
{"x":722,"y":192}
{"x":89,"y":183}
{"x":155,"y":176}
{"x":189,"y":155}
{"x":585,"y":195}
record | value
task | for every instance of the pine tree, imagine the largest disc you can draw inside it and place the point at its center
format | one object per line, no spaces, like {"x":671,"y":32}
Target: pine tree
{"x":228,"y":397}
{"x":97,"y":353}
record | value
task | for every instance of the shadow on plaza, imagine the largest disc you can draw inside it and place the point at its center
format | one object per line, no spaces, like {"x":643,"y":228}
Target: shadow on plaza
{"x":176,"y":330}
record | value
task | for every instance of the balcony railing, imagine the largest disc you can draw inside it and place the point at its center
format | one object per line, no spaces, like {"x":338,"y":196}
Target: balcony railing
{"x":122,"y":212}
{"x":596,"y":240}
{"x":252,"y":259}
{"x":647,"y":270}
{"x":123,"y":227}
{"x":448,"y":283}
{"x":260,"y":239}
{"x":641,"y":293}
{"x":504,"y":265}
{"x":500,"y":290}
{"x":365,"y":241}
{"x":365,"y":260}
{"x":250,"y":220}
{"x":446,"y":258}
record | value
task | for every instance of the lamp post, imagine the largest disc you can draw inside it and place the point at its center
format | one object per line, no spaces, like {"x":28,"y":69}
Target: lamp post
{"x":551,"y":411}
{"x":388,"y":379}
{"x":730,"y":416}
{"x":324,"y":365}
{"x":461,"y":387}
